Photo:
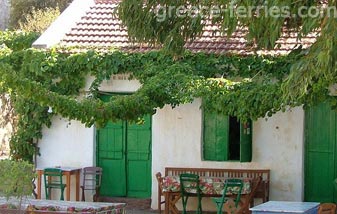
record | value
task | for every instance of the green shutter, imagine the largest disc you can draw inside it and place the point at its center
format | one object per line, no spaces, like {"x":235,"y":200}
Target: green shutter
{"x":215,"y":138}
{"x":246,"y":130}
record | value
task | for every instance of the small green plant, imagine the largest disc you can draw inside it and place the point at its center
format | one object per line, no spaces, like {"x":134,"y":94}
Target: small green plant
{"x":16,"y":178}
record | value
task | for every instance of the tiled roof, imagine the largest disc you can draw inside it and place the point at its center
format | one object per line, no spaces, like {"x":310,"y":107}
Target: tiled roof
{"x":99,"y":28}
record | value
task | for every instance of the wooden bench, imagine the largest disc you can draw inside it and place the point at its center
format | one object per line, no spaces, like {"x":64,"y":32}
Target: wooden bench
{"x":262,"y":190}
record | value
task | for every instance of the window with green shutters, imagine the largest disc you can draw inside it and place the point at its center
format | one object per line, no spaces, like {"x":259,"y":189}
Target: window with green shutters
{"x":226,"y":139}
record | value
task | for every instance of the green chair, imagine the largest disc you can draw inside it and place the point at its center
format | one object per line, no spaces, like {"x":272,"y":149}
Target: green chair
{"x":189,"y":186}
{"x":231,"y":186}
{"x":53,"y":180}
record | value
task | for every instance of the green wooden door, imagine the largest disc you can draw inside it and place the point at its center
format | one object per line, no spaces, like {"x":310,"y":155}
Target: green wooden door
{"x":124,"y":153}
{"x":320,"y":153}
{"x":111,"y":157}
{"x":139,"y":159}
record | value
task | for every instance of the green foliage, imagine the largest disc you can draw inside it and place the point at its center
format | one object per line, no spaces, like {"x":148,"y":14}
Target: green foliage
{"x":16,"y":178}
{"x":172,"y":23}
{"x":246,"y":87}
{"x":39,"y":19}
{"x":17,"y":40}
{"x":23,"y":8}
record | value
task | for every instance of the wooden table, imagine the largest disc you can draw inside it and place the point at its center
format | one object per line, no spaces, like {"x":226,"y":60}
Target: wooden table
{"x":286,"y":207}
{"x":66,"y":171}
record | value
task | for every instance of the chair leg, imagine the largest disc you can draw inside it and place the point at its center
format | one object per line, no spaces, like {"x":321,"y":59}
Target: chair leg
{"x":48,"y":195}
{"x":62,"y":196}
{"x":159,"y":203}
{"x":219,"y":208}
{"x":184,"y":200}
{"x":199,"y":210}
{"x":96,"y":196}
{"x":83,"y":195}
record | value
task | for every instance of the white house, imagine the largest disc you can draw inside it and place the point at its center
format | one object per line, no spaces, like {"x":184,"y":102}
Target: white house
{"x":175,"y":135}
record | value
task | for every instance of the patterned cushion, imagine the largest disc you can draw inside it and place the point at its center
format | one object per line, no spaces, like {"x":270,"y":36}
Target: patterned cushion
{"x":207,"y":185}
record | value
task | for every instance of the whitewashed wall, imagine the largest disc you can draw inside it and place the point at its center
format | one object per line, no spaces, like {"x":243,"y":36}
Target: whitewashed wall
{"x":67,"y":144}
{"x":176,"y":141}
{"x":70,"y":143}
{"x":277,"y":145}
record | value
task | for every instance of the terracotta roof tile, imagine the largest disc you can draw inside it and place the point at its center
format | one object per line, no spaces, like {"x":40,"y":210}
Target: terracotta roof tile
{"x":99,"y":28}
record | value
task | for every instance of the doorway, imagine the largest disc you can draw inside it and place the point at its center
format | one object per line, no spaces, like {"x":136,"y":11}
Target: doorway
{"x":124,"y":152}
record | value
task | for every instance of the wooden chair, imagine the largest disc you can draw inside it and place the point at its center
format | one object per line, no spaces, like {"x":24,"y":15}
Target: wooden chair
{"x":189,"y":186}
{"x":327,"y":208}
{"x":92,"y":177}
{"x":160,"y":191}
{"x":232,"y":185}
{"x":53,"y":180}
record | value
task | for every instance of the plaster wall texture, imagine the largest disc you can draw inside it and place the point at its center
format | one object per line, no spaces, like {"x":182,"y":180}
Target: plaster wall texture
{"x":176,"y":141}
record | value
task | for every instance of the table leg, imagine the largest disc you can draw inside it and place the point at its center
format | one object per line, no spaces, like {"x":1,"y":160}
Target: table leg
{"x":39,"y":174}
{"x":78,"y":185}
{"x":67,"y":174}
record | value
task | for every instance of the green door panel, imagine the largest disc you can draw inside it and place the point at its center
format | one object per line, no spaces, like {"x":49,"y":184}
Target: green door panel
{"x":111,"y":157}
{"x":320,"y":152}
{"x":319,"y":186}
{"x":113,"y":179}
{"x":215,"y":138}
{"x":139,"y":158}
{"x":139,"y":188}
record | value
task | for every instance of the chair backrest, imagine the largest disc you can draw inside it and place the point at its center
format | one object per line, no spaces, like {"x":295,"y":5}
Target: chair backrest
{"x":52,"y":177}
{"x":160,"y":191}
{"x":232,"y":186}
{"x":189,"y":184}
{"x":92,"y":177}
{"x":327,"y":208}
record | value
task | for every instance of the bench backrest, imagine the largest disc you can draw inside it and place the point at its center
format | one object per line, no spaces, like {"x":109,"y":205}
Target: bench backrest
{"x":222,"y":173}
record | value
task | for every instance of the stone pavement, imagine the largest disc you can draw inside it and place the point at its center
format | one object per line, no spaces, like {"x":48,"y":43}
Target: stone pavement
{"x":138,"y":206}
{"x":133,"y":205}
